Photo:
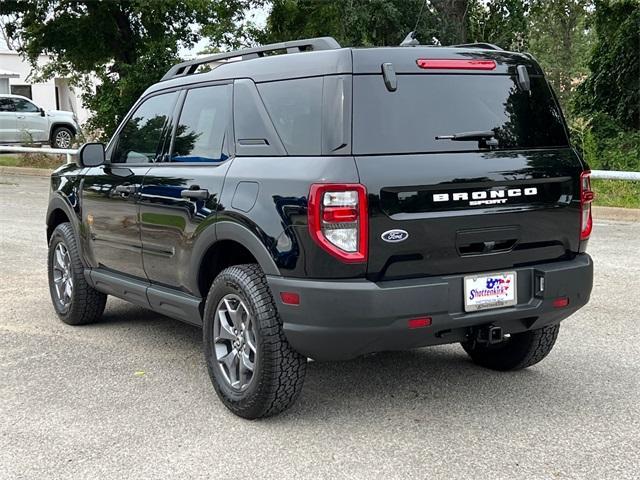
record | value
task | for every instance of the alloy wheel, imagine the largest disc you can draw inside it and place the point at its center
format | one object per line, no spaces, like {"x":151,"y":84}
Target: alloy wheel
{"x":62,"y":276}
{"x":234,"y":336}
{"x":63,"y":139}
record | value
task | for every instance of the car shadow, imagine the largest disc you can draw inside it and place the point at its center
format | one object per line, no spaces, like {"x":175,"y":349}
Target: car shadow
{"x":433,"y":383}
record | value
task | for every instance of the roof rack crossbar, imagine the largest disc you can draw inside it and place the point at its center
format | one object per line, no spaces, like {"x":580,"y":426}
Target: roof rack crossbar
{"x":487,"y":46}
{"x":295,"y":46}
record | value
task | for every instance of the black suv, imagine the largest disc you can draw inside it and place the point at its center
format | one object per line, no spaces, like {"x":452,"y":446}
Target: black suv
{"x":302,"y":200}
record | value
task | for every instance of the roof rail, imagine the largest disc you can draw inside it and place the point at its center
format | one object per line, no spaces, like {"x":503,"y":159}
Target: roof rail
{"x":191,"y":66}
{"x":487,"y":46}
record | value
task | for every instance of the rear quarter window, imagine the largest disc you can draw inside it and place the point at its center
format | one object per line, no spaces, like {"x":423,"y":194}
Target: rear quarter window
{"x":295,"y":108}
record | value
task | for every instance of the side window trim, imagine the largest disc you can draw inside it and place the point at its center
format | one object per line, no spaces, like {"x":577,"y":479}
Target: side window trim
{"x":177,"y":111}
{"x":170,"y":133}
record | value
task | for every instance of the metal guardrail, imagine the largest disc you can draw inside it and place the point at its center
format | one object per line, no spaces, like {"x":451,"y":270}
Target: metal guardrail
{"x":603,"y":174}
{"x":51,"y":151}
{"x":615,"y":175}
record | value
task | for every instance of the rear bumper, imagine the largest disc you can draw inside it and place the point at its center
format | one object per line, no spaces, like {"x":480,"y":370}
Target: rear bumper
{"x":343,"y":319}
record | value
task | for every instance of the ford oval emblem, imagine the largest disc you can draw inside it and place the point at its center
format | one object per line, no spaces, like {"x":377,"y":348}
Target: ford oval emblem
{"x":395,"y":236}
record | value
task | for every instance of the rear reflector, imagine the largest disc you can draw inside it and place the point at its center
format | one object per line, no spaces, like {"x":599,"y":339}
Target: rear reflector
{"x":420,"y":322}
{"x":290,"y":298}
{"x":560,"y":302}
{"x":444,"y":64}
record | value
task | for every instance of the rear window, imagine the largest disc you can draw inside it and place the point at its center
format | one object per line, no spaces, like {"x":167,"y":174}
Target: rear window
{"x":427,"y":106}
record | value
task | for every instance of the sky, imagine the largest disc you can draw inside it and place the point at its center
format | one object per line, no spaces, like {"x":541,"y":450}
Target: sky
{"x":255,"y":15}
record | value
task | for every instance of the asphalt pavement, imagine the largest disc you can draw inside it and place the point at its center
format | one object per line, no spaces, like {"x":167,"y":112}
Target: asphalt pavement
{"x":130,"y":397}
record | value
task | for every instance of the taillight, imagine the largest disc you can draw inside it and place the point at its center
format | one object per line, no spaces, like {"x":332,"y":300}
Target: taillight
{"x":445,"y":64}
{"x":586,"y":197}
{"x":338,"y":220}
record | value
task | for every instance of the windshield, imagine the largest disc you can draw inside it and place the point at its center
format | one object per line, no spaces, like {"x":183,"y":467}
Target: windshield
{"x":428,"y":106}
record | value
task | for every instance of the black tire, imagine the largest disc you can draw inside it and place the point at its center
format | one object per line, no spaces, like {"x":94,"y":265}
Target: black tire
{"x":86,"y":304}
{"x":60,"y":136}
{"x":279,"y":370}
{"x":519,"y":351}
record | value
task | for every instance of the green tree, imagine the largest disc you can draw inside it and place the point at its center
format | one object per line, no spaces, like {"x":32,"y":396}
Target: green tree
{"x":502,"y":22}
{"x":608,"y":100}
{"x":560,"y":39}
{"x":612,"y":86}
{"x":367,"y":22}
{"x":124,"y":45}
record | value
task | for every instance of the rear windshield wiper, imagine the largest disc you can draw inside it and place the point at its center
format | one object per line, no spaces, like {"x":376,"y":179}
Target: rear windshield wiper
{"x":485,"y":138}
{"x":467,"y":136}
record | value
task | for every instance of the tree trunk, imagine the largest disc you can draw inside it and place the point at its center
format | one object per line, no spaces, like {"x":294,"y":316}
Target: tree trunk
{"x":454,"y":16}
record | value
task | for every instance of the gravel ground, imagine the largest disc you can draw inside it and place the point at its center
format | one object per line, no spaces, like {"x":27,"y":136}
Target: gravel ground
{"x":130,"y":397}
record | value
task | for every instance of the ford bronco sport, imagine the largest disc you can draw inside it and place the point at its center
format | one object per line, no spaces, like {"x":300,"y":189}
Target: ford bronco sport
{"x":302,"y":200}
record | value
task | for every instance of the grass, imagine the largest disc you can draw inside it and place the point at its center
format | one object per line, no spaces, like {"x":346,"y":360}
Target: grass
{"x":9,"y":160}
{"x":32,"y":160}
{"x":616,"y":193}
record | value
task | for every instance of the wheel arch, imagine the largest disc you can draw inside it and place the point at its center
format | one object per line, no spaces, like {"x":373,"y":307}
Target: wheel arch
{"x":59,"y":212}
{"x":225,"y":245}
{"x":56,"y":217}
{"x":59,"y":124}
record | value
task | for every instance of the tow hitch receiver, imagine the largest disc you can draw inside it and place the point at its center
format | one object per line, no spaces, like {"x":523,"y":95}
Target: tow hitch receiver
{"x":489,"y":334}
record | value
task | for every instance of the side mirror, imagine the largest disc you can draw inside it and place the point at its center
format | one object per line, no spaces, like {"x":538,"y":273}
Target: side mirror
{"x":42,"y":112}
{"x":91,"y":155}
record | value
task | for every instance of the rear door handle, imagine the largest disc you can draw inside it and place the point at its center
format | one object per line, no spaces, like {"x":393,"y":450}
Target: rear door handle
{"x":125,"y":189}
{"x":195,"y":194}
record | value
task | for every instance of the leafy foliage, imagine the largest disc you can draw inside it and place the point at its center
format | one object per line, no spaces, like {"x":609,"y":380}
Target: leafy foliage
{"x":604,"y":145}
{"x":560,"y":40}
{"x":122,"y":46}
{"x":613,"y":86}
{"x":501,"y":22}
{"x":367,"y":22}
{"x":607,"y":103}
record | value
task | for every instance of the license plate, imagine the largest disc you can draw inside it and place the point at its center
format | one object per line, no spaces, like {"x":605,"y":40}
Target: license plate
{"x":489,"y":290}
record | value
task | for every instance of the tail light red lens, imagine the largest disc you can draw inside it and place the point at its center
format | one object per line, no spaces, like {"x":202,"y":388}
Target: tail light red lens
{"x":339,"y":214}
{"x":586,"y":197}
{"x":338,"y":220}
{"x":445,"y":64}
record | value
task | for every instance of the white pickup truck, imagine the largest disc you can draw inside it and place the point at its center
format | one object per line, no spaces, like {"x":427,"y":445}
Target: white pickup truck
{"x":22,"y":122}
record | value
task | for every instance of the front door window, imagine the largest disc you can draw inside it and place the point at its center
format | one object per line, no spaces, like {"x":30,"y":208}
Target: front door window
{"x":141,"y":138}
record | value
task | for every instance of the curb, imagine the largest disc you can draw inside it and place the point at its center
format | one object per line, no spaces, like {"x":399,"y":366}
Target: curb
{"x":616,"y":213}
{"x":26,"y":171}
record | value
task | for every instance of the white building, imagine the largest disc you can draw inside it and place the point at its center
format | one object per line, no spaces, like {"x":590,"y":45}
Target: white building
{"x":54,"y":94}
